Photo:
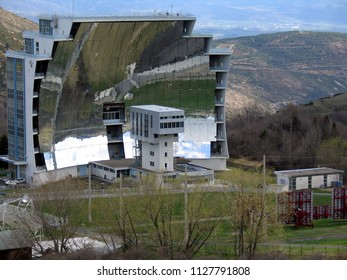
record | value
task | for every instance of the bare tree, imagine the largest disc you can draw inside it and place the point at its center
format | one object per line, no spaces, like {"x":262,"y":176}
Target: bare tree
{"x":253,"y":218}
{"x":58,"y":211}
{"x":117,"y":226}
{"x":172,"y":236}
{"x":158,"y":206}
{"x":199,"y":226}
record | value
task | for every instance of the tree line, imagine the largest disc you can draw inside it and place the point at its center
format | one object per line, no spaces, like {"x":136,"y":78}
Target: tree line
{"x":291,"y":138}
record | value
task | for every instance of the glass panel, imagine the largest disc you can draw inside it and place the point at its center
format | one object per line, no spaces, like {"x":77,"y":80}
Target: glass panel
{"x":15,"y":103}
{"x":45,"y":27}
{"x":29,"y":45}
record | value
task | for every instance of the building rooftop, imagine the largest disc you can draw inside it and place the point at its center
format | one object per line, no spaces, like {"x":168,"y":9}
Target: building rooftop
{"x":219,"y":51}
{"x":157,"y":108}
{"x":159,"y":16}
{"x":309,"y":172}
{"x":116,"y":163}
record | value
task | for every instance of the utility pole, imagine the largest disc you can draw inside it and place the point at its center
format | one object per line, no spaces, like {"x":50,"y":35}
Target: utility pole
{"x":186,"y":202}
{"x":264,"y":171}
{"x":121,"y":203}
{"x":90,"y":192}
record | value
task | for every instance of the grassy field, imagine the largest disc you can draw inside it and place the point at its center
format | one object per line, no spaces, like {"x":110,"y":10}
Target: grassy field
{"x":326,"y":239}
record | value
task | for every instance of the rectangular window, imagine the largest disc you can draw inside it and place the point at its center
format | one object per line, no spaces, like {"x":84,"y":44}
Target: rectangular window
{"x":45,"y":27}
{"x":37,"y":47}
{"x":151,"y":163}
{"x":165,"y":154}
{"x":136,"y":124}
{"x":292,"y":183}
{"x":165,"y":165}
{"x":165,"y":144}
{"x":151,"y":153}
{"x":146,"y":125}
{"x":132,"y":122}
{"x":141,"y":124}
{"x":29,"y":45}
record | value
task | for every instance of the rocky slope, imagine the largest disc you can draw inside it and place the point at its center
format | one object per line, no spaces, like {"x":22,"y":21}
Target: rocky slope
{"x":295,"y":67}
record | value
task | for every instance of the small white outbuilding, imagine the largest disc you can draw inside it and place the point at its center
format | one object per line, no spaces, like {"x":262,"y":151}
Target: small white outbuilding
{"x":299,"y":179}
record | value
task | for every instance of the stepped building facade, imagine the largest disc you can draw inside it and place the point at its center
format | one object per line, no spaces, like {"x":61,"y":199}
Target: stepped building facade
{"x":71,"y":89}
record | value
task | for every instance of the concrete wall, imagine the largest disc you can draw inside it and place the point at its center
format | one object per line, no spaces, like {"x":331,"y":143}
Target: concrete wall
{"x":317,"y":181}
{"x":282,"y":180}
{"x":43,"y":177}
{"x":105,"y":173}
{"x":332,"y":178}
{"x":301,"y":183}
{"x":212,"y":163}
{"x":159,"y":159}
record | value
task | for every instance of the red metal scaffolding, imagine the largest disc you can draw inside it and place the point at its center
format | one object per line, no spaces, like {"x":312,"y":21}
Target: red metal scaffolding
{"x":296,"y":207}
{"x":339,"y":203}
{"x":321,"y":212}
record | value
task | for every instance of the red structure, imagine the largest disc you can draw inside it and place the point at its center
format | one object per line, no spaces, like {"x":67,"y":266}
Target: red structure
{"x":339,"y":203}
{"x":321,"y":212}
{"x":296,"y":207}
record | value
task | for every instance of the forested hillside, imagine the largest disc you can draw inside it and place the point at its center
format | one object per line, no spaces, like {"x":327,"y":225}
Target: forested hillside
{"x":296,"y":137}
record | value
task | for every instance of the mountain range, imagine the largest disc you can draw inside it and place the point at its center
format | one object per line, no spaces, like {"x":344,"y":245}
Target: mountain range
{"x":269,"y":69}
{"x":222,"y":18}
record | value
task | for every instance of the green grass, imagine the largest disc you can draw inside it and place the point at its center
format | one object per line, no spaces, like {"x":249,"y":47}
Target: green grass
{"x":319,"y":200}
{"x":296,"y":242}
{"x":324,"y":232}
{"x":236,"y":175}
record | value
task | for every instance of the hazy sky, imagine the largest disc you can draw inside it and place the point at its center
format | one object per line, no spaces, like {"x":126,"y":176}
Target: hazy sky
{"x":303,"y":14}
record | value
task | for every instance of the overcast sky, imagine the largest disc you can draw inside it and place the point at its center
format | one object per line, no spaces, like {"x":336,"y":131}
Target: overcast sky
{"x":301,"y":14}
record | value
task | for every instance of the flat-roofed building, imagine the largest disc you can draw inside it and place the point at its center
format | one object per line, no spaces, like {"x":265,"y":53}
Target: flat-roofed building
{"x":310,"y":178}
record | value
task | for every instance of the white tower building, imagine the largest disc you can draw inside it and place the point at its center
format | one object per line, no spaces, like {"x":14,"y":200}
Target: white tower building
{"x":155,"y":129}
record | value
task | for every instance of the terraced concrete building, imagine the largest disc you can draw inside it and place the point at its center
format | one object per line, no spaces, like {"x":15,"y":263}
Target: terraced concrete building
{"x":70,"y":90}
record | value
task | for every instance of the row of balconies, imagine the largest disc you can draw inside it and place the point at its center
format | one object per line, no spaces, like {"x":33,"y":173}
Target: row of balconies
{"x":219,"y":60}
{"x":41,"y":68}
